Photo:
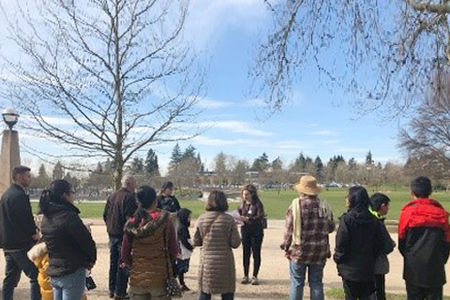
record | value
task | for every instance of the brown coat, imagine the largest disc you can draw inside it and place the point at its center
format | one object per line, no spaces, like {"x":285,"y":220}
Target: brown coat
{"x":217,"y":273}
{"x":151,"y":264}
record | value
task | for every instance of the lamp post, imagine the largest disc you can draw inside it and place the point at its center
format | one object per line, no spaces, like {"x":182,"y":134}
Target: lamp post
{"x":10,"y":155}
{"x":10,"y":116}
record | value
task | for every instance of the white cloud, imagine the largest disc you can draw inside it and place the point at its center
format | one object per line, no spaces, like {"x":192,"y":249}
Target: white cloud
{"x":352,"y":150}
{"x":290,"y":145}
{"x":324,"y":133}
{"x":236,"y":127}
{"x":208,"y":141}
{"x":212,"y":104}
{"x":209,"y":18}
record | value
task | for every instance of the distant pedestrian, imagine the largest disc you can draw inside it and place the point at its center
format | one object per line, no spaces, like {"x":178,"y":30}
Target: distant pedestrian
{"x":380,"y":208}
{"x":185,"y":244}
{"x":71,"y":249}
{"x":216,"y":233}
{"x":18,"y":233}
{"x":424,"y":242}
{"x":252,"y":231}
{"x":166,"y":200}
{"x":309,"y":221}
{"x":359,"y":241}
{"x":119,"y":207}
{"x":149,"y":248}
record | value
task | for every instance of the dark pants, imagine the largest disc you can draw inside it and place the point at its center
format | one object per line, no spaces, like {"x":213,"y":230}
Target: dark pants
{"x":118,"y":278}
{"x":422,"y":293}
{"x":16,"y":262}
{"x":379,"y":285}
{"x":205,"y":296}
{"x":359,"y":290}
{"x":251,"y":243}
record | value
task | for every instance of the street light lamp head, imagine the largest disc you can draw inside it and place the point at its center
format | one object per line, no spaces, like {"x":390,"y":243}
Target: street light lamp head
{"x":10,"y":116}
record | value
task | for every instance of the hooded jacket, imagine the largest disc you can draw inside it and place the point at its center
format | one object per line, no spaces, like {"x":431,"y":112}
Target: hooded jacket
{"x":69,"y":243}
{"x":359,"y":241}
{"x":150,"y":248}
{"x":424,"y":242}
{"x":382,"y":262}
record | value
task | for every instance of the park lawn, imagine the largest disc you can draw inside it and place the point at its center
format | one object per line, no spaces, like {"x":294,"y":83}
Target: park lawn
{"x":276,"y":203}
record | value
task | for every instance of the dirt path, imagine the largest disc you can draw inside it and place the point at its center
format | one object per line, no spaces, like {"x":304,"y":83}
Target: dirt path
{"x":274,"y":273}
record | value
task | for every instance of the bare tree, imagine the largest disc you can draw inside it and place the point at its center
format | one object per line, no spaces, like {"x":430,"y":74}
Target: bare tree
{"x":427,"y":139}
{"x":383,"y":52}
{"x":117,"y":71}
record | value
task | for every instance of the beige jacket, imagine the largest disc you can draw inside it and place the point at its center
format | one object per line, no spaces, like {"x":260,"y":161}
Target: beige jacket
{"x":217,"y":273}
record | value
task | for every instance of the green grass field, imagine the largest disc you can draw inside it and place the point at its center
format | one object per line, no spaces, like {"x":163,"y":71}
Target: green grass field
{"x":276,"y":203}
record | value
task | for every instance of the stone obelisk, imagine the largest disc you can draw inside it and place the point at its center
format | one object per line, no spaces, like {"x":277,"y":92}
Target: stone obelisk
{"x":10,"y":157}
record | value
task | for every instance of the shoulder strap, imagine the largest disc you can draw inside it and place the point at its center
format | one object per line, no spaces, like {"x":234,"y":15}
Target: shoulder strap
{"x":207,"y":231}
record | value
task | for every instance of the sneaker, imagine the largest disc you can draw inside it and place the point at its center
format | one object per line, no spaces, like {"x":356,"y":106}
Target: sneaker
{"x":255,"y":281}
{"x":184,"y":288}
{"x":245,"y":280}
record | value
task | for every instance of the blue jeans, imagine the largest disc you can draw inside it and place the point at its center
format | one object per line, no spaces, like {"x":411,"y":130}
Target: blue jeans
{"x":70,"y":286}
{"x":118,"y":278}
{"x":315,"y":275}
{"x":16,"y":262}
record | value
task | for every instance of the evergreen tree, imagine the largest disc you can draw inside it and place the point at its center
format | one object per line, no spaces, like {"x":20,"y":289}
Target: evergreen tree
{"x":151,"y":163}
{"x":58,"y":171}
{"x":369,"y":160}
{"x":176,"y":157}
{"x":261,"y":164}
{"x":137,"y":165}
{"x":189,"y":152}
{"x":318,"y":165}
{"x":277,"y":164}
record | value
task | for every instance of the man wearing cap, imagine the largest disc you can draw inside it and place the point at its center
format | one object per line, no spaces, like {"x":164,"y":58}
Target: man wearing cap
{"x":18,"y":233}
{"x":309,"y":221}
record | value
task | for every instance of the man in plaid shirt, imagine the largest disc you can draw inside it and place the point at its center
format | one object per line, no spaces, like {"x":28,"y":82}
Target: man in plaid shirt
{"x":309,"y":221}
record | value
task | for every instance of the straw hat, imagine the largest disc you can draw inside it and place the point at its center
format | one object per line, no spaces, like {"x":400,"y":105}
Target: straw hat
{"x":307,"y":185}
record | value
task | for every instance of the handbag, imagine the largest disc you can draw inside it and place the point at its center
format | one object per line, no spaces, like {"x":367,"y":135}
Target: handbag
{"x":172,"y":287}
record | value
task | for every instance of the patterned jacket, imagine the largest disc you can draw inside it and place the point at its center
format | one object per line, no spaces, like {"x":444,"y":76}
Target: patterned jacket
{"x":314,"y":247}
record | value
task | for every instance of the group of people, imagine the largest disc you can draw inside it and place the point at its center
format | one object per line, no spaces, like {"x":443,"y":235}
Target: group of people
{"x":363,"y":242}
{"x":150,"y":243}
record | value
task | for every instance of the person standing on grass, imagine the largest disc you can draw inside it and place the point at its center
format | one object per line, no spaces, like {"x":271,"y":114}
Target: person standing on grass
{"x":309,"y":221}
{"x":166,"y":200}
{"x":424,"y":242}
{"x":119,"y":207}
{"x":380,"y":208}
{"x":71,"y":249}
{"x":359,"y":241}
{"x":252,"y":232}
{"x":216,"y":233}
{"x":18,"y":233}
{"x":149,"y":248}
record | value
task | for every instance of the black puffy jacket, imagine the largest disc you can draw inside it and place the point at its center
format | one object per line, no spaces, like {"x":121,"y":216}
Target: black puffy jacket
{"x":16,"y":220}
{"x":359,"y":240}
{"x":69,"y":243}
{"x":168,"y":203}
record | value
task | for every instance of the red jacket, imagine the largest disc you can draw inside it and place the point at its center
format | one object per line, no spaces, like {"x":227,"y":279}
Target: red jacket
{"x":424,"y":242}
{"x":423,"y":213}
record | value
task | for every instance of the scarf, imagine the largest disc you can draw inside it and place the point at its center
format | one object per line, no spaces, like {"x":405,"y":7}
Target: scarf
{"x":324,"y":212}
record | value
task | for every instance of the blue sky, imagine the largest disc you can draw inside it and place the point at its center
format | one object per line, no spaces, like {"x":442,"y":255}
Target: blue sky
{"x":317,"y":122}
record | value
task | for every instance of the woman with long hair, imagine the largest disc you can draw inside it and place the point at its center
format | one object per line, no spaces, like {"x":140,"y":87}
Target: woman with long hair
{"x":359,"y":240}
{"x":216,"y":233}
{"x":71,"y":249}
{"x":149,"y":248}
{"x":166,"y":200}
{"x":252,"y":215}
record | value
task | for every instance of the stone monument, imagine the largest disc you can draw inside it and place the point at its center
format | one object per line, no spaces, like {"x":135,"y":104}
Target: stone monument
{"x":10,"y":156}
